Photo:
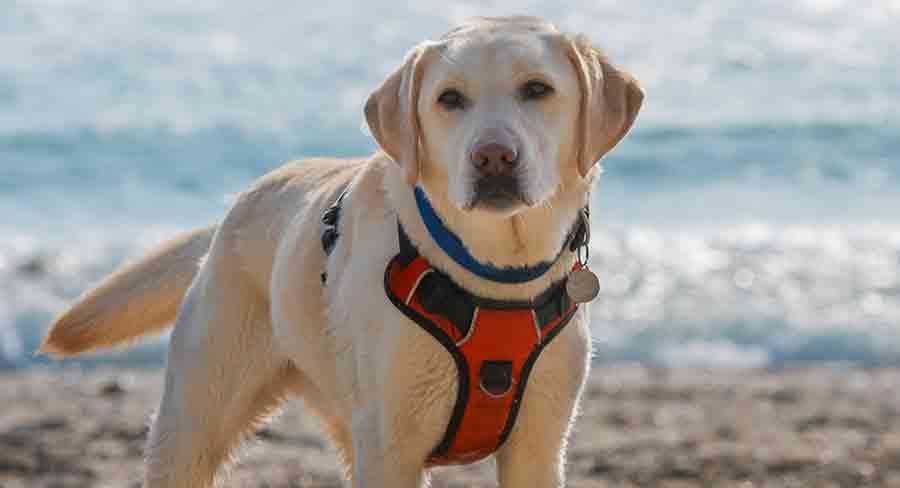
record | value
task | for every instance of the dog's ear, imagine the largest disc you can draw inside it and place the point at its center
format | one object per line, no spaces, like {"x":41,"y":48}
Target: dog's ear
{"x":392,"y":115}
{"x":610,"y":101}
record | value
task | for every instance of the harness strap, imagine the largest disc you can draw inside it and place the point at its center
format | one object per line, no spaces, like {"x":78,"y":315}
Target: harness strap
{"x":330,"y":219}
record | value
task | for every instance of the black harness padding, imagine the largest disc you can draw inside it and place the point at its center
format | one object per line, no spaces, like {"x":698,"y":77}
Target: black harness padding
{"x":439,"y":295}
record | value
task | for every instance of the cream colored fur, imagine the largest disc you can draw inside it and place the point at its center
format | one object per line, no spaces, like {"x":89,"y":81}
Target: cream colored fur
{"x":256,"y":325}
{"x":138,"y":299}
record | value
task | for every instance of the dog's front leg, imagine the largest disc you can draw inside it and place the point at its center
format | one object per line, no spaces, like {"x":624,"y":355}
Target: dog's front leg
{"x":395,"y":426}
{"x":379,"y":460}
{"x":534,"y":455}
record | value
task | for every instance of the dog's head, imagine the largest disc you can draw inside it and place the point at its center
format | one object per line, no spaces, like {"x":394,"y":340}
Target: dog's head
{"x":500,"y":112}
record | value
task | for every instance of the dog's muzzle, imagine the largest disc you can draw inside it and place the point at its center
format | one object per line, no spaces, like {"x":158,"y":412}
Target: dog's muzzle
{"x":497,"y":192}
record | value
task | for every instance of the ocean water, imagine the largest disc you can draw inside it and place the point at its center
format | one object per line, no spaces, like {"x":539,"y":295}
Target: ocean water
{"x":750,"y":219}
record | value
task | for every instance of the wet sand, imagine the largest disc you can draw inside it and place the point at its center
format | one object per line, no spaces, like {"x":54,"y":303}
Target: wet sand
{"x":809,"y":427}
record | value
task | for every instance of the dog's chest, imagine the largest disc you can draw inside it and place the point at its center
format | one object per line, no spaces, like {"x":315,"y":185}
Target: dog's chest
{"x":396,"y":360}
{"x":387,"y":365}
{"x":470,"y":384}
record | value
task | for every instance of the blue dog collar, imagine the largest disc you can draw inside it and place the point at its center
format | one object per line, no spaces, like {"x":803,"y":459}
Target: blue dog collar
{"x":451,"y":244}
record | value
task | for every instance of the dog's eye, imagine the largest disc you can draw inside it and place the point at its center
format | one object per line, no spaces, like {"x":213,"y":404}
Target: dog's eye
{"x":452,"y":99}
{"x":535,"y":90}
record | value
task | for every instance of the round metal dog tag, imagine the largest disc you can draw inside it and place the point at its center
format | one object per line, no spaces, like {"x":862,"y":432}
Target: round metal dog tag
{"x":583,"y":286}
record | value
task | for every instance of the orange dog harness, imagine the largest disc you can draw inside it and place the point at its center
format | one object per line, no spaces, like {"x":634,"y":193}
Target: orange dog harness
{"x":494,"y":344}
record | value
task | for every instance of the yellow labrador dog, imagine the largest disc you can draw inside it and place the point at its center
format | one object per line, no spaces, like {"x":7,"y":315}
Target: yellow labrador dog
{"x":489,"y":140}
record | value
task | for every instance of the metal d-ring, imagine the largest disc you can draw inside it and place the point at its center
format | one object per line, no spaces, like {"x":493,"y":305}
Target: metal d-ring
{"x":585,"y":243}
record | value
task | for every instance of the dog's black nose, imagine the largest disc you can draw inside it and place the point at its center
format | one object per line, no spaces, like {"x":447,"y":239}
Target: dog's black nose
{"x":493,"y":158}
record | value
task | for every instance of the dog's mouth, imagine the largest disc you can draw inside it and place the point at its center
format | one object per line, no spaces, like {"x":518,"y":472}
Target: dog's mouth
{"x":497,"y":193}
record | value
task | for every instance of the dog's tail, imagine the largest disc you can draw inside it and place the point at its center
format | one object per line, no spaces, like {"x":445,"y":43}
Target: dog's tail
{"x":138,"y":299}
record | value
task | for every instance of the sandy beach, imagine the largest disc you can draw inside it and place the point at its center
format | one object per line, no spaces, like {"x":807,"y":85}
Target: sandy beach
{"x":819,"y":427}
